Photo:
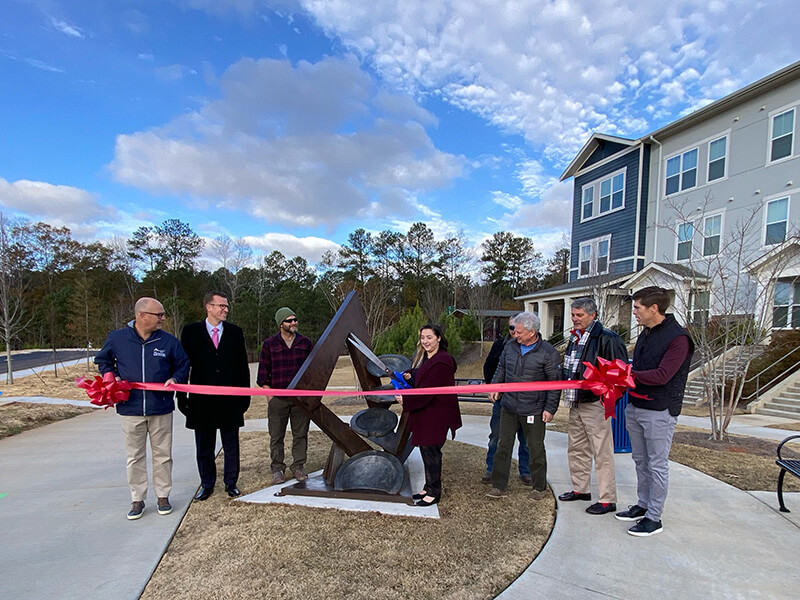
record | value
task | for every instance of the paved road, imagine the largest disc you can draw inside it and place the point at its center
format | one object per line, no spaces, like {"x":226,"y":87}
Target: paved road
{"x":40,"y":358}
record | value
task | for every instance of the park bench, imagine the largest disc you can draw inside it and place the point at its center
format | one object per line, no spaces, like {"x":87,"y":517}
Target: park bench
{"x":475,"y":396}
{"x":787,"y":466}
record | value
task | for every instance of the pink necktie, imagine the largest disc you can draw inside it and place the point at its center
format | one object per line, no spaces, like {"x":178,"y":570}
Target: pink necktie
{"x":215,"y":336}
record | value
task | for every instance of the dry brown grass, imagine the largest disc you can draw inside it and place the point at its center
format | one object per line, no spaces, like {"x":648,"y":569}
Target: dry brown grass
{"x":793,"y":426}
{"x":17,"y":417}
{"x":226,"y":549}
{"x":49,"y":385}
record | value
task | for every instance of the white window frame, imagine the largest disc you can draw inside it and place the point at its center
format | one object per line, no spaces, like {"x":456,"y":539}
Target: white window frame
{"x":682,"y":171}
{"x":590,"y":190}
{"x":706,"y":218}
{"x":699,"y":306}
{"x":723,"y":158}
{"x":596,"y":186}
{"x":792,"y":305}
{"x":772,"y":116}
{"x":593,"y":246}
{"x":767,"y":223}
{"x":689,"y":241}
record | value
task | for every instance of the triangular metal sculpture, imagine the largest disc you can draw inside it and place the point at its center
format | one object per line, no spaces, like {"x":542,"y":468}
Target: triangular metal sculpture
{"x":354,"y":469}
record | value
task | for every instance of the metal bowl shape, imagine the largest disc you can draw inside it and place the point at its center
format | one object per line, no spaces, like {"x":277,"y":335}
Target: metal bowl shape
{"x":393,"y":362}
{"x":373,"y":422}
{"x":372,"y":470}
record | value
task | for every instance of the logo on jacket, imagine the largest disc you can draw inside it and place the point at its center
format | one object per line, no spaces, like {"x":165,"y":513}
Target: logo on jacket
{"x":161,"y":353}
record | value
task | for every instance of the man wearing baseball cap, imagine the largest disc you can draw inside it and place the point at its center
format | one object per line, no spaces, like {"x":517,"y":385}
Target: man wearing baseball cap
{"x":281,"y":357}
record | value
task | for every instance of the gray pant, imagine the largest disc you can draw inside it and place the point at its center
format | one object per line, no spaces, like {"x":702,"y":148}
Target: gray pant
{"x":534,"y":435}
{"x":651,"y":438}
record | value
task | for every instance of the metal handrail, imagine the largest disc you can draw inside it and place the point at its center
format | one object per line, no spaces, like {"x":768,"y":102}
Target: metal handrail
{"x":770,"y":384}
{"x":792,"y":351}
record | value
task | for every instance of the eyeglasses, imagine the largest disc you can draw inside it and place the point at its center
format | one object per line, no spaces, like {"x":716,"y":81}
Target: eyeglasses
{"x":511,"y":328}
{"x":159,"y":315}
{"x":292,"y":320}
{"x":222,"y":306}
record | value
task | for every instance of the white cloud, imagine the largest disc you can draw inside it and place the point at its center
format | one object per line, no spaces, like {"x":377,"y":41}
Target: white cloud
{"x":173,"y":72}
{"x":43,"y":200}
{"x":304,"y":145}
{"x":556,"y":71}
{"x":311,"y":248}
{"x":67,"y":29}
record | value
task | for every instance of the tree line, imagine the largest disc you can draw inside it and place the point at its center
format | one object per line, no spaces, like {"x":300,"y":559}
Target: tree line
{"x":56,"y":291}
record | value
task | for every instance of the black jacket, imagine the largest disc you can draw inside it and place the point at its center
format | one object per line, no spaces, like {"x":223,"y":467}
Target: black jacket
{"x":604,"y":343}
{"x":225,"y":365}
{"x":543,"y":363}
{"x":647,"y":354}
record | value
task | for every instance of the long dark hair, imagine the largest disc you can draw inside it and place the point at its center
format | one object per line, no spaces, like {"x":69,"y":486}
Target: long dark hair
{"x":421,"y":355}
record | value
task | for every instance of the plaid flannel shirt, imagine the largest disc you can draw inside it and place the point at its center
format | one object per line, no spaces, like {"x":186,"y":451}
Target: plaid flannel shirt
{"x":572,"y":360}
{"x":278,"y":364}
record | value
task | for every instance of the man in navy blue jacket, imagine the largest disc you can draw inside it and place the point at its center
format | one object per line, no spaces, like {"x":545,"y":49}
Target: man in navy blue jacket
{"x":141,"y":352}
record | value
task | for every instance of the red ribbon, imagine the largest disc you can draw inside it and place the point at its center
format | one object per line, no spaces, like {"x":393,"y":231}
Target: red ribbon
{"x":106,"y":390}
{"x":608,"y":379}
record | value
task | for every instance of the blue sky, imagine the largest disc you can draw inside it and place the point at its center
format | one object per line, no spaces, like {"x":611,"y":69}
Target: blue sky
{"x":292,"y":123}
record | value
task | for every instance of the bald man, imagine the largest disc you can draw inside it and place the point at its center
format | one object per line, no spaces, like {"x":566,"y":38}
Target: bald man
{"x":141,"y":352}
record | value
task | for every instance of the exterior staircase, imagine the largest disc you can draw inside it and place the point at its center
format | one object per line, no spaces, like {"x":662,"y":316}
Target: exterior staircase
{"x":785,"y":404}
{"x":695,"y":394}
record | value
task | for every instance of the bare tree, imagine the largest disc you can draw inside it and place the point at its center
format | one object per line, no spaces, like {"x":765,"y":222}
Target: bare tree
{"x":12,"y":289}
{"x":234,"y":255}
{"x":727,"y":302}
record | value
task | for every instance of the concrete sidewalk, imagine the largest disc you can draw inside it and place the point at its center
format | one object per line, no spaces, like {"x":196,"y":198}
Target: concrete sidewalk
{"x":65,"y":534}
{"x":62,"y":511}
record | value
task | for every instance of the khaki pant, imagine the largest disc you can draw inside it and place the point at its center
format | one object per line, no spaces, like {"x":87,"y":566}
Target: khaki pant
{"x":137,"y":430}
{"x":590,"y":437}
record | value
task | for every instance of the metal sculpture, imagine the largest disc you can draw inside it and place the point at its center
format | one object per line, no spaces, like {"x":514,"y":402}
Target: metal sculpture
{"x":353,"y":468}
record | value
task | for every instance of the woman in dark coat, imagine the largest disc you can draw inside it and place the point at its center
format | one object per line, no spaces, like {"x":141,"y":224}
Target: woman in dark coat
{"x":431,"y":416}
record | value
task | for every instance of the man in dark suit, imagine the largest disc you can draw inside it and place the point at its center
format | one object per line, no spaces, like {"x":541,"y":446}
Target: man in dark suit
{"x":218,"y":356}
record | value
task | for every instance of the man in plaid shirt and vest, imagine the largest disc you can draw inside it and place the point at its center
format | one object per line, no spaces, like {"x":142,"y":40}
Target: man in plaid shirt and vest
{"x":589,"y":432}
{"x":281,"y":357}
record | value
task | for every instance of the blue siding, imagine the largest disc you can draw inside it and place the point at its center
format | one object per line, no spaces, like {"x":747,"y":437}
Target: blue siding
{"x":621,"y":224}
{"x":604,"y":150}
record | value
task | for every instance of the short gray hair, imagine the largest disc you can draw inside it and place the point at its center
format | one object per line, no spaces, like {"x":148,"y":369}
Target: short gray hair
{"x":528,"y":320}
{"x":588,"y":305}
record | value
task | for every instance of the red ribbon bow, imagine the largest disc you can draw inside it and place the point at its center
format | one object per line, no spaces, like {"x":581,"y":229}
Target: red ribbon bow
{"x":106,"y":390}
{"x":609,"y":379}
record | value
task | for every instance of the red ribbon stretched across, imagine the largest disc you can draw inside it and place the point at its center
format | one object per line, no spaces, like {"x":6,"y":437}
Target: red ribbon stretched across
{"x":106,"y":390}
{"x":609,"y":380}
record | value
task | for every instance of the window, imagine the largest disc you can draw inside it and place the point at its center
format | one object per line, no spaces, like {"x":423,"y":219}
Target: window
{"x":782,"y":135}
{"x":685,"y":235}
{"x":777,"y":217}
{"x":712,"y":232}
{"x":593,"y":257}
{"x":699,"y":302}
{"x":682,"y":172}
{"x":603,"y":196}
{"x":717,"y":151}
{"x":588,"y":202}
{"x":786,"y":306}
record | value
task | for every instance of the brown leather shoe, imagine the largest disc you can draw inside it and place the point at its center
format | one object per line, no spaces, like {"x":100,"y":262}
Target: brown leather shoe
{"x":277,"y":477}
{"x":487,"y":477}
{"x":299,"y":474}
{"x":164,"y":507}
{"x":538,"y":494}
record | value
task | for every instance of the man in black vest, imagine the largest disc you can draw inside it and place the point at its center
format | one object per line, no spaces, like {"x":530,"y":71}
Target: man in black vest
{"x":660,"y":367}
{"x":218,"y":356}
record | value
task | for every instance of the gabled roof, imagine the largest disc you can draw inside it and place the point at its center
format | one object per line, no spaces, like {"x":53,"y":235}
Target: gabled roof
{"x":671,"y":270}
{"x":777,"y":252}
{"x":588,"y":148}
{"x":486,"y":313}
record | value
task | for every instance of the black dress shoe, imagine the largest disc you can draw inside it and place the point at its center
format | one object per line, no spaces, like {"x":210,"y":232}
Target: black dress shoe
{"x":204,"y":494}
{"x":570,"y":496}
{"x":233,"y":491}
{"x":419,"y":496}
{"x":424,"y":503}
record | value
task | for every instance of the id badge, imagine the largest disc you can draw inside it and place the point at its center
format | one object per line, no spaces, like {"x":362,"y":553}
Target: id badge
{"x":531,"y":419}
